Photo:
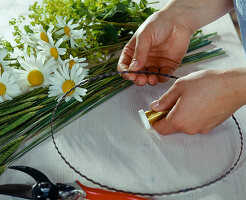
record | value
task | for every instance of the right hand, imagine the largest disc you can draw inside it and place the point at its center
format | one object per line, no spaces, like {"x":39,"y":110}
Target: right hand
{"x":158,"y":45}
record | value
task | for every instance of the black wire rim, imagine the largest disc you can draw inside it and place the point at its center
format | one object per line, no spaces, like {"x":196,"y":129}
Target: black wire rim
{"x":206,"y":184}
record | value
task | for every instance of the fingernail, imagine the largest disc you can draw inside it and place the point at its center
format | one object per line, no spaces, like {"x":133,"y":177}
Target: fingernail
{"x":134,"y":64}
{"x":155,"y":104}
{"x":131,"y":78}
{"x":140,"y":83}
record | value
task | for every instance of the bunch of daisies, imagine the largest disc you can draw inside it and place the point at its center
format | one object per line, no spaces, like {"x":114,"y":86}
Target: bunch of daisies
{"x":43,"y":66}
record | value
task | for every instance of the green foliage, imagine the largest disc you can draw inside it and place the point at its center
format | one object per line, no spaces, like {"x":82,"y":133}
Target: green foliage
{"x":105,"y":22}
{"x":27,"y":29}
{"x":2,"y":168}
{"x":109,"y":34}
{"x":7,"y":45}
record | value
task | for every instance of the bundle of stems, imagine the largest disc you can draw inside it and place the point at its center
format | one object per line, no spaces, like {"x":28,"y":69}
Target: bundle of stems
{"x":27,"y":117}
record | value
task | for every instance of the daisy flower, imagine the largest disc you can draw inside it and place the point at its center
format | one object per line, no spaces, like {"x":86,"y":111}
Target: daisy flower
{"x":3,"y":63}
{"x":75,"y":60}
{"x":39,"y":34}
{"x":35,"y":72}
{"x":63,"y":80}
{"x":8,"y":87}
{"x":51,"y":49}
{"x":68,"y":32}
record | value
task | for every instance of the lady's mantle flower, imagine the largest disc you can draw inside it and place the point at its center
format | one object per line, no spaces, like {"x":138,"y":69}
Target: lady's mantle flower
{"x":8,"y":87}
{"x":68,"y":32}
{"x":51,"y":49}
{"x":63,"y":80}
{"x":36,"y":72}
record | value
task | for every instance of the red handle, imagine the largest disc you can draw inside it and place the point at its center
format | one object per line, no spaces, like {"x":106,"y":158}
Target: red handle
{"x":100,"y":194}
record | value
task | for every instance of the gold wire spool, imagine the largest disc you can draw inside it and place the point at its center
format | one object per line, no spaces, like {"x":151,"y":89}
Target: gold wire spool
{"x":154,"y":116}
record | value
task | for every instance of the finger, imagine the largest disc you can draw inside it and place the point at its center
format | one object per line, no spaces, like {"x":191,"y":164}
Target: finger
{"x":129,"y":76}
{"x":125,"y":60}
{"x":152,"y":79}
{"x":206,"y":131}
{"x":141,"y":51}
{"x":141,"y":80}
{"x":165,"y":70}
{"x":163,"y":127}
{"x":160,"y":61}
{"x":166,"y":101}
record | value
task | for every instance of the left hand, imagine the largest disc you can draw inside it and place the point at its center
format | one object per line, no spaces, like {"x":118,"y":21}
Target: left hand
{"x":201,"y":101}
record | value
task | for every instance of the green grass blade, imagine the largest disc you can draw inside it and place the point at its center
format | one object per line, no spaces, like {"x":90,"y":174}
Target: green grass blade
{"x":8,"y":118}
{"x":17,"y":123}
{"x":16,"y":108}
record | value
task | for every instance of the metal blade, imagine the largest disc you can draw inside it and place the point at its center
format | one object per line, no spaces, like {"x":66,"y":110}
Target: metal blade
{"x":17,"y":190}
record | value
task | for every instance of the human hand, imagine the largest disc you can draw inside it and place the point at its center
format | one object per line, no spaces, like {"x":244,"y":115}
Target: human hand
{"x":201,"y":101}
{"x":159,"y":45}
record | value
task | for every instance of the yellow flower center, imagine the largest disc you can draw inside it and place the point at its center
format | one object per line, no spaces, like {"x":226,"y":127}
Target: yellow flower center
{"x":35,"y":78}
{"x":2,"y":89}
{"x":1,"y":68}
{"x":44,"y":37}
{"x":71,"y":64}
{"x":54,"y":53}
{"x":67,"y":31}
{"x":67,"y":86}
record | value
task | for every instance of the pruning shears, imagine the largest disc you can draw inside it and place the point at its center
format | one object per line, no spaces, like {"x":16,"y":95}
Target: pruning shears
{"x":44,"y":189}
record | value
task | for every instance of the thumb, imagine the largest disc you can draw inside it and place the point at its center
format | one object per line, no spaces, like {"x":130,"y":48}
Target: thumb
{"x":141,"y":52}
{"x":163,"y":127}
{"x":166,"y":101}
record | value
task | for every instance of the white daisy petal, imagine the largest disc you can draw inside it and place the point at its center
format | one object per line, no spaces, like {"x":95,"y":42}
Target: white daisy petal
{"x":65,"y":37}
{"x":36,"y":71}
{"x":8,"y":88}
{"x":60,"y":32}
{"x":61,"y":51}
{"x":69,"y":28}
{"x":58,"y":43}
{"x":3,"y":54}
{"x":78,"y":98}
{"x":70,"y":22}
{"x":50,"y":28}
{"x":74,"y":26}
{"x":63,"y":80}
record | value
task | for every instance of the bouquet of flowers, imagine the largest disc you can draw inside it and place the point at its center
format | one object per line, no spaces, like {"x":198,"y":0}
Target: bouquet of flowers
{"x":59,"y":44}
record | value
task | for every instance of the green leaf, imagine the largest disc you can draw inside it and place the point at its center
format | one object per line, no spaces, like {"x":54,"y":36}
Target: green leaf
{"x":15,"y":109}
{"x":17,"y":123}
{"x":119,"y":13}
{"x":8,"y":145}
{"x":15,"y":116}
{"x":27,"y":29}
{"x":2,"y":168}
{"x":109,"y":35}
{"x":9,"y":152}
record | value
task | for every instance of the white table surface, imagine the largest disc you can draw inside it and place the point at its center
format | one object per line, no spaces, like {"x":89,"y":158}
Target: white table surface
{"x":110,"y":145}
